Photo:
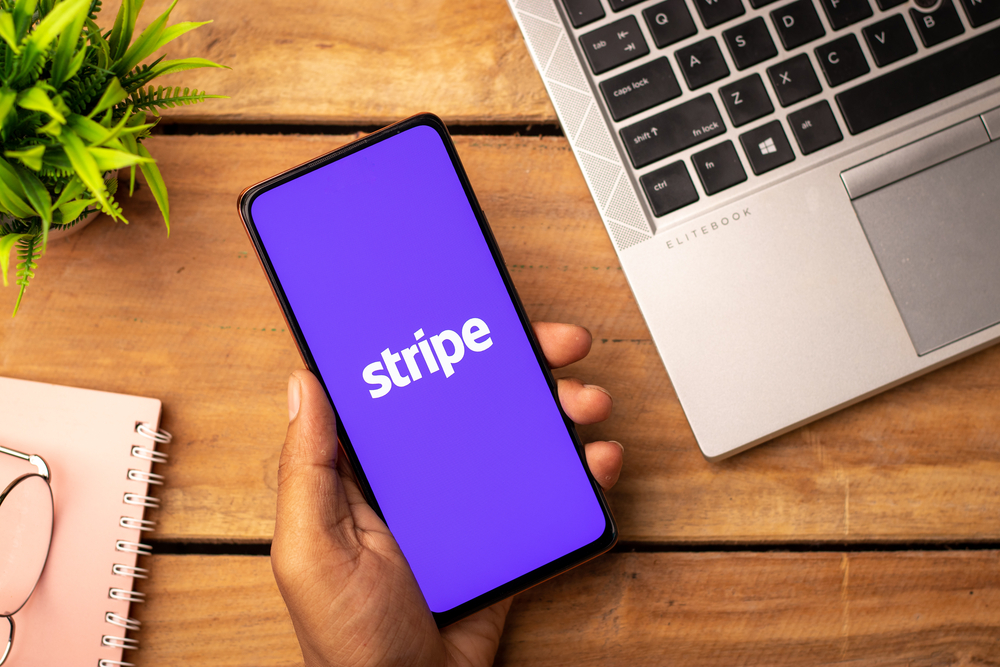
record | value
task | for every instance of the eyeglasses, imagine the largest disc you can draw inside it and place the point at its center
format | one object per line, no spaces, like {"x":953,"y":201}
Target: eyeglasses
{"x":26,"y":528}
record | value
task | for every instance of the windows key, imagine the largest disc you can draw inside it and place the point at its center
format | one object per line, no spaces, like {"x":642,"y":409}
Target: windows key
{"x":766,"y":147}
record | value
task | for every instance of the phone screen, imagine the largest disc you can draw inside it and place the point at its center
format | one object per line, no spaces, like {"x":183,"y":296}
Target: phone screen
{"x":402,"y":309}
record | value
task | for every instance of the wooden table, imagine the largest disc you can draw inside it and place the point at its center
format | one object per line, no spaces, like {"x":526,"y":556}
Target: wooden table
{"x":869,"y":537}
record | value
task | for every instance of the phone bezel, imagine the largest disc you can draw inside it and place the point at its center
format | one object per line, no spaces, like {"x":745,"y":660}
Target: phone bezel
{"x":607,"y":540}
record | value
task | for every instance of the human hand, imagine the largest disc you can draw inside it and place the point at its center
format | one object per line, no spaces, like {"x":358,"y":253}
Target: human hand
{"x":351,"y":594}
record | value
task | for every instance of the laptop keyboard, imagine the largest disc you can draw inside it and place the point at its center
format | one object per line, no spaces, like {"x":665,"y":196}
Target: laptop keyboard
{"x":865,"y":38}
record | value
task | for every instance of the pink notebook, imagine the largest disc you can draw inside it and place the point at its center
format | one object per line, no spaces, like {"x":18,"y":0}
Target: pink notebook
{"x":101,"y":462}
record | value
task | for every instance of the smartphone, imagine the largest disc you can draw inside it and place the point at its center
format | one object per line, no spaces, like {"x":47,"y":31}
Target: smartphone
{"x":400,"y":303}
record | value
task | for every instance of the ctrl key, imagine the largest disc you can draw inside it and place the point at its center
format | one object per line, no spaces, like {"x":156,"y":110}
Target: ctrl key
{"x":669,"y":188}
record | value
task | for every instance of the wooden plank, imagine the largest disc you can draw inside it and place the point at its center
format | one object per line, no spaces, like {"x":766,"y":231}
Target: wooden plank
{"x":370,"y":63}
{"x":191,"y":320}
{"x":905,"y":608}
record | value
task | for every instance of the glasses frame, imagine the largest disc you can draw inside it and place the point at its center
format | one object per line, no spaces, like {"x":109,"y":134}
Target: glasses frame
{"x":43,"y":472}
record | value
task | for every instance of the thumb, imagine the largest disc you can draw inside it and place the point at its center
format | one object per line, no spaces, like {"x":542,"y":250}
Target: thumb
{"x":311,"y":499}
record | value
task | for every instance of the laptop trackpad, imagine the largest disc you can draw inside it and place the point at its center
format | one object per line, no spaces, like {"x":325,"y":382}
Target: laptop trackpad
{"x":936,"y":236}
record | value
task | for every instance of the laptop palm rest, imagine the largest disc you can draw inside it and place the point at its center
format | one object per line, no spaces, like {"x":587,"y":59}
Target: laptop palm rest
{"x":935,"y":232}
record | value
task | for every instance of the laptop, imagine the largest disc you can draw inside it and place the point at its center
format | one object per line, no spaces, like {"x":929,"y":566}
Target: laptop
{"x":804,"y":194}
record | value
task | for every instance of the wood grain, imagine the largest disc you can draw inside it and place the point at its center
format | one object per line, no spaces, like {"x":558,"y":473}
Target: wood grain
{"x":190,"y":319}
{"x":355,"y":63}
{"x":774,"y":609}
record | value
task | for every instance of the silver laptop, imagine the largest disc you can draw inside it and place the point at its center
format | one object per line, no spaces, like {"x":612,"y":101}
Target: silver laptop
{"x":804,"y":194}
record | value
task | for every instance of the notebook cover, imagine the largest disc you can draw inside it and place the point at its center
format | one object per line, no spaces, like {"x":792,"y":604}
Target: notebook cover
{"x":86,"y":438}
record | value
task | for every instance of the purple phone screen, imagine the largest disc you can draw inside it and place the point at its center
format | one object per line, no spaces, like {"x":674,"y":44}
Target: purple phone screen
{"x":397,"y":295}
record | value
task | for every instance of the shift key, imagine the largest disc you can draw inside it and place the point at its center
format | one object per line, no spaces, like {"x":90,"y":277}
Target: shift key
{"x":673,"y":130}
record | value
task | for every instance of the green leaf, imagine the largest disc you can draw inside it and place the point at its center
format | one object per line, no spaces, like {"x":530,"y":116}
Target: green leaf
{"x":156,"y":185}
{"x":64,"y":63}
{"x":32,"y":157}
{"x":23,"y":12}
{"x":7,"y":99}
{"x":39,"y":199}
{"x":12,"y":193}
{"x":70,"y":191}
{"x":145,"y":45}
{"x":121,"y":33}
{"x":86,"y":168}
{"x":181,"y":64}
{"x":7,"y":243}
{"x":95,"y":133}
{"x":56,"y":21}
{"x":70,"y":211}
{"x":36,"y":99}
{"x":113,"y":94}
{"x":8,"y":32}
{"x":109,"y":159}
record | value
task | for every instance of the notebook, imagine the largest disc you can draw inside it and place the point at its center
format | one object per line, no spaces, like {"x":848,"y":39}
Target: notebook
{"x":100,"y":450}
{"x":802,"y":193}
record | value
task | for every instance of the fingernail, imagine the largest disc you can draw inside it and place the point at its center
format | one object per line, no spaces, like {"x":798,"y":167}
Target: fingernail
{"x":602,"y":390}
{"x":294,"y":396}
{"x":619,"y":445}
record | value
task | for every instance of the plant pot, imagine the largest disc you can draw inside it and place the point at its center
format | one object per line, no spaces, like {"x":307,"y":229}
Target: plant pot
{"x":63,"y":232}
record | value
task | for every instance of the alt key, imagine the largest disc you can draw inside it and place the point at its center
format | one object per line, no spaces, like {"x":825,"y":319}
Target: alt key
{"x":669,"y":188}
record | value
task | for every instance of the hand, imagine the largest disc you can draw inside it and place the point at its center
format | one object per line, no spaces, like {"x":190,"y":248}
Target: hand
{"x":351,"y":595}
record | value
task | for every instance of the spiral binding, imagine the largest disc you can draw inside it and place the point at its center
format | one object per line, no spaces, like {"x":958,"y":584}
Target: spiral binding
{"x":130,"y":571}
{"x":112,"y":640}
{"x":122,"y":621}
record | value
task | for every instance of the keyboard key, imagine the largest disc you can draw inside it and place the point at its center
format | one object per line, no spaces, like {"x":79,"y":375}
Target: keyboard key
{"x":702,"y":63}
{"x":746,"y":100}
{"x":842,"y":60}
{"x":938,"y":26}
{"x":757,"y":4}
{"x":750,"y":43}
{"x":814,"y":127}
{"x":794,"y":80}
{"x":889,"y":40}
{"x":639,"y":89}
{"x":669,"y":22}
{"x":614,"y":44}
{"x":669,"y":188}
{"x":582,"y":12}
{"x":719,"y":167}
{"x":843,"y":13}
{"x":981,"y":12}
{"x":672,"y":130}
{"x":618,"y":5}
{"x":767,"y":147}
{"x":922,"y":82}
{"x":714,"y":12}
{"x":888,"y":4}
{"x":797,"y":24}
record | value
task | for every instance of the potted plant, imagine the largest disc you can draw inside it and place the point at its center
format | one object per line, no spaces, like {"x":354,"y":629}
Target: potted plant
{"x":73,"y":111}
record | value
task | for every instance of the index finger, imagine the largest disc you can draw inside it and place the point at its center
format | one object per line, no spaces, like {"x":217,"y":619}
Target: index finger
{"x":562,"y":344}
